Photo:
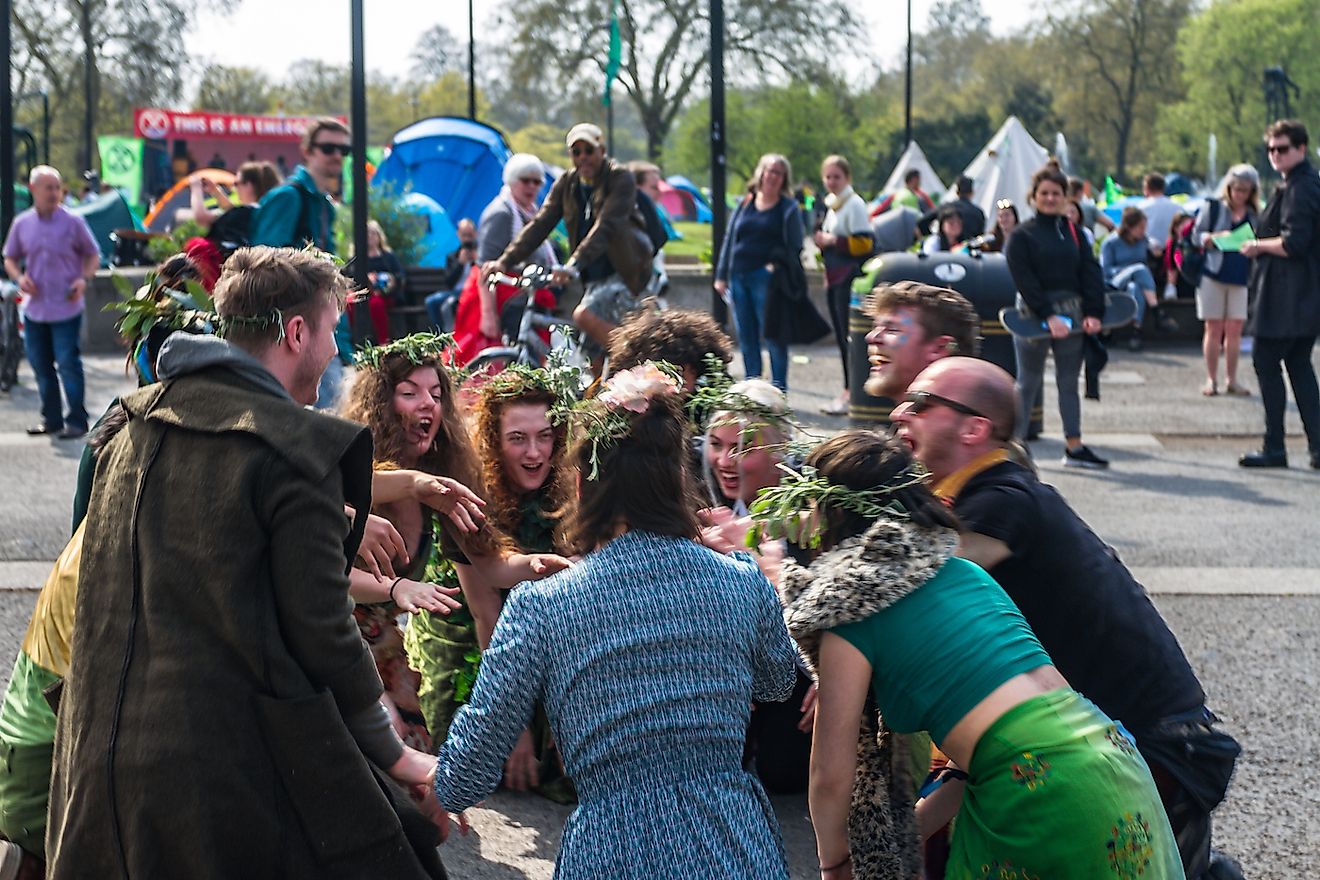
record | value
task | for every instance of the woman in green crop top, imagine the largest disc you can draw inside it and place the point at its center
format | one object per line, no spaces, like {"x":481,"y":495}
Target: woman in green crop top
{"x":1043,"y":783}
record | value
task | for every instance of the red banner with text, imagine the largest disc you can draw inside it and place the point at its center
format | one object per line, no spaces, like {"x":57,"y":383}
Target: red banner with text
{"x":156,"y":124}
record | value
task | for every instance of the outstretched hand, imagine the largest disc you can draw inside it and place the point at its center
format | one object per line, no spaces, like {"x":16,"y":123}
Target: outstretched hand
{"x":546,"y":564}
{"x":452,"y":499}
{"x":722,"y":531}
{"x":414,"y":596}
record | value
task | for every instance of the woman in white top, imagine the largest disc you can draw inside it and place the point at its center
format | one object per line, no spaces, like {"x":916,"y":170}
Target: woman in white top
{"x":845,"y":240}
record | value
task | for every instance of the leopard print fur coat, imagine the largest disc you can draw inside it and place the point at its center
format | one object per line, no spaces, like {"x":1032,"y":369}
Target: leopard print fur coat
{"x":850,"y":582}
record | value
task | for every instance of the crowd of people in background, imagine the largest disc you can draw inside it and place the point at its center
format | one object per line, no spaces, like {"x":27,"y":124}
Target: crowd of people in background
{"x":436,"y":590}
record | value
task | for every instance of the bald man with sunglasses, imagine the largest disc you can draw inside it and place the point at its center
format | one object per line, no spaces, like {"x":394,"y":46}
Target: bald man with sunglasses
{"x":1091,"y":615}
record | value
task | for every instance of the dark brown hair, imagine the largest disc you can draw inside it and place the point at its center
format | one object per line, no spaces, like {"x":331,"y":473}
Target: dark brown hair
{"x":323,"y":123}
{"x":940,"y":311}
{"x":1131,"y":217}
{"x":643,"y":481}
{"x":1051,"y":172}
{"x":371,"y":402}
{"x":257,"y":281}
{"x":679,"y":337}
{"x":1293,"y":130}
{"x":261,"y":176}
{"x":1153,"y":182}
{"x":862,"y":459}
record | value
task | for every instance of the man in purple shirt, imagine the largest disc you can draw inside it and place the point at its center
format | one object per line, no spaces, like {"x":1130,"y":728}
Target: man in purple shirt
{"x":51,"y":253}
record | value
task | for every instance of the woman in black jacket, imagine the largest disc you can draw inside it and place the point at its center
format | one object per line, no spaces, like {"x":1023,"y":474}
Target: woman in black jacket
{"x":1058,"y":281}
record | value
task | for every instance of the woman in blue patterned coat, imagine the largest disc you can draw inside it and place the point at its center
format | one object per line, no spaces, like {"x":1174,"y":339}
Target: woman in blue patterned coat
{"x":646,"y":655}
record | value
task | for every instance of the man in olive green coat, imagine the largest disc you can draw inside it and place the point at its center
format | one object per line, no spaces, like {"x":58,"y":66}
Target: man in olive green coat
{"x":221,"y":715}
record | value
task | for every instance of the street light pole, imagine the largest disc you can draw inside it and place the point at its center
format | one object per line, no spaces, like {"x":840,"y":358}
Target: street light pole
{"x":907,"y":85}
{"x":361,"y":318}
{"x":6,"y":124}
{"x":472,"y":63}
{"x":718,"y":209}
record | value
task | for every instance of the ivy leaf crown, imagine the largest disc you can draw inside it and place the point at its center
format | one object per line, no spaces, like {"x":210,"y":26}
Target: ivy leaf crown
{"x":416,"y":349}
{"x":557,"y":377}
{"x":794,"y":509}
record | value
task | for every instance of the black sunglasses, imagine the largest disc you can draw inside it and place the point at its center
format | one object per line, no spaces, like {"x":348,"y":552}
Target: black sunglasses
{"x":920,"y":401}
{"x":331,"y":149}
{"x":1278,"y":148}
{"x":533,"y":180}
{"x":584,"y":150}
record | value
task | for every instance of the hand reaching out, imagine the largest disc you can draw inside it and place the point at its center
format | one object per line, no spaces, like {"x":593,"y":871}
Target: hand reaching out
{"x":452,"y":499}
{"x":381,"y":542}
{"x":414,"y":596}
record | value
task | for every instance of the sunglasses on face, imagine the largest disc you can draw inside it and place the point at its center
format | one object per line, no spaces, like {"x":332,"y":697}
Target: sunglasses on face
{"x":331,"y":149}
{"x":1278,"y":148}
{"x":531,"y":181}
{"x":583,"y":150}
{"x":920,"y":401}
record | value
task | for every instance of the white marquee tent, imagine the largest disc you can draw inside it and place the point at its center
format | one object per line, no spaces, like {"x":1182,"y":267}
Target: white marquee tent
{"x":1003,"y":169}
{"x":913,"y":157}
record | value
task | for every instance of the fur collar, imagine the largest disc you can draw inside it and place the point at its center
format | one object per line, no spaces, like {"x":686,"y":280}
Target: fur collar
{"x":862,"y":575}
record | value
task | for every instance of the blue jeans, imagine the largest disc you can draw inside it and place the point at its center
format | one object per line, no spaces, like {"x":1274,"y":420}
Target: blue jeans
{"x":327,"y":392}
{"x":748,"y":291}
{"x":1134,"y":280}
{"x":50,"y":346}
{"x":434,"y":303}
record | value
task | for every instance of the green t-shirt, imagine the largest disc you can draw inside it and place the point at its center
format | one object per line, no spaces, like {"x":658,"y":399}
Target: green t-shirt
{"x":26,"y":718}
{"x":943,"y":648}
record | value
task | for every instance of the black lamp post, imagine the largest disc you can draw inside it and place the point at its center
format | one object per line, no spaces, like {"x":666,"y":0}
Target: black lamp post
{"x":718,"y":210}
{"x":358,"y":111}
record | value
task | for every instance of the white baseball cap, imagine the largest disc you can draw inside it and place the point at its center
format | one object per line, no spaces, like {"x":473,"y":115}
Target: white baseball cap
{"x":585,"y":131}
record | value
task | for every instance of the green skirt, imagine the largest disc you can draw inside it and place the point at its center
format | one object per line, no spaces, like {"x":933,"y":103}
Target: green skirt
{"x":1056,"y":790}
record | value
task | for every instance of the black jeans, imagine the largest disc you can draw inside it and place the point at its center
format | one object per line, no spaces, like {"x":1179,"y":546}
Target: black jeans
{"x":776,"y":750}
{"x":839,"y":297}
{"x":1270,"y":355}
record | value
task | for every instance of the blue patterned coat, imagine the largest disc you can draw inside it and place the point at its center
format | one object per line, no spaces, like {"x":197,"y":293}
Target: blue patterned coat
{"x":647,"y":655}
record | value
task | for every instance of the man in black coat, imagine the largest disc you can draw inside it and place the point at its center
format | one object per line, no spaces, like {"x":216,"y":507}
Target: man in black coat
{"x":1285,"y":290}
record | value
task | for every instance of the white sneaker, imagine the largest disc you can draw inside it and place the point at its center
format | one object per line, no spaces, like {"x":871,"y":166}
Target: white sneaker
{"x":1170,"y":292}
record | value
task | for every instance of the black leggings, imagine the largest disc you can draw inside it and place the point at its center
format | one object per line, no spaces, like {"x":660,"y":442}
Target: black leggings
{"x":1270,"y":355}
{"x":839,"y":297}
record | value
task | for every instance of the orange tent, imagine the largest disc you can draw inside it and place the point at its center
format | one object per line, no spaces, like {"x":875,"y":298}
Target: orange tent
{"x":163,"y":217}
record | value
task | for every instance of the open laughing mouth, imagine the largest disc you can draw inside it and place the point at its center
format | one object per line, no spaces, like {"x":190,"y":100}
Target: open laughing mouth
{"x":878,"y":361}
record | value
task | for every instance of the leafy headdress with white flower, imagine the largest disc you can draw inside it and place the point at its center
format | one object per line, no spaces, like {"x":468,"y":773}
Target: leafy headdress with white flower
{"x":608,"y":417}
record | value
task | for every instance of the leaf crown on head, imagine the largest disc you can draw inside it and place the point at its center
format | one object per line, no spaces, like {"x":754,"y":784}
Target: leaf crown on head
{"x":151,"y":305}
{"x":793,"y":508}
{"x":417,"y":349}
{"x":608,"y":417}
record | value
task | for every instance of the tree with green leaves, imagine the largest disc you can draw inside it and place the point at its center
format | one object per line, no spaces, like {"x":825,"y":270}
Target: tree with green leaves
{"x":1224,"y":51}
{"x":235,"y":90}
{"x":1114,"y":68}
{"x":665,"y":47}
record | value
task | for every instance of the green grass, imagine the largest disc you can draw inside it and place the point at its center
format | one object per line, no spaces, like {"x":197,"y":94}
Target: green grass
{"x":695,"y":242}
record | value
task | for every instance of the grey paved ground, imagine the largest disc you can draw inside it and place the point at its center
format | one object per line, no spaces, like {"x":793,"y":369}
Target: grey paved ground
{"x":1175,"y":504}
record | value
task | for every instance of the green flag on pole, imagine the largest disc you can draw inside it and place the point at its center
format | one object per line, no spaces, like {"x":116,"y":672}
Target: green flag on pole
{"x":121,"y":166}
{"x":616,"y":52}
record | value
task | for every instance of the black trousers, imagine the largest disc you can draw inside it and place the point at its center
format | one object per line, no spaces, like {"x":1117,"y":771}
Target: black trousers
{"x":776,"y":750}
{"x":1270,"y":355}
{"x":839,"y":297}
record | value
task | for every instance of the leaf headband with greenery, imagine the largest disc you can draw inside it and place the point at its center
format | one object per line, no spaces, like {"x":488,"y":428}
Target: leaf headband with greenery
{"x":417,"y":349}
{"x":557,"y":377}
{"x":190,"y":309}
{"x":607,"y":418}
{"x":792,"y":509}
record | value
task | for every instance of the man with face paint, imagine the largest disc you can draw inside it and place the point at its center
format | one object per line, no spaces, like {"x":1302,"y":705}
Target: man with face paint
{"x":915,"y":325}
{"x":611,"y":252}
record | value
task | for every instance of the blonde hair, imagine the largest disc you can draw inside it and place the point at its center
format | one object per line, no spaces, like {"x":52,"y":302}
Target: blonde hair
{"x":765,"y":162}
{"x":373,"y":226}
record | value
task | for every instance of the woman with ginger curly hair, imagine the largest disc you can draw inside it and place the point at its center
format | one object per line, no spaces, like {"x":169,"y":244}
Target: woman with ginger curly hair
{"x":424,"y":459}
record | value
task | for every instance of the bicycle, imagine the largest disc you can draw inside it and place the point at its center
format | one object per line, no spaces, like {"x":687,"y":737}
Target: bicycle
{"x":11,"y":339}
{"x":539,"y":332}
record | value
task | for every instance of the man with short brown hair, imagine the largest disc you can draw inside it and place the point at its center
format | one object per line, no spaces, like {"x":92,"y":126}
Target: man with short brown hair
{"x":915,"y":325}
{"x":218,"y":682}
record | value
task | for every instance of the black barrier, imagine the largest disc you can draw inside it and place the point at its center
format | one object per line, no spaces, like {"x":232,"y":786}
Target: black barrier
{"x":983,"y":279}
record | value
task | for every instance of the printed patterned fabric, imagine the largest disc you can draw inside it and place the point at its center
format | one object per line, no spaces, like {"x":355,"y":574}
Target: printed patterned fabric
{"x":648,"y":699}
{"x":379,"y":627}
{"x":1056,"y":790}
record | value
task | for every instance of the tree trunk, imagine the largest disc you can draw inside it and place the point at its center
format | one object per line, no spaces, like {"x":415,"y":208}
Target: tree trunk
{"x":89,"y":88}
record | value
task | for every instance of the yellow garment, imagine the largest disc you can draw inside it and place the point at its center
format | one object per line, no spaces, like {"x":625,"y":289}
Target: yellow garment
{"x":949,"y":487}
{"x":50,"y":633}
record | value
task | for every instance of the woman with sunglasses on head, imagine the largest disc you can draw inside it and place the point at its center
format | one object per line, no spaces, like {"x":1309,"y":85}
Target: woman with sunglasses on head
{"x":767,"y":226}
{"x":1058,"y":282}
{"x":1006,"y":220}
{"x":647,"y":656}
{"x":906,"y":637}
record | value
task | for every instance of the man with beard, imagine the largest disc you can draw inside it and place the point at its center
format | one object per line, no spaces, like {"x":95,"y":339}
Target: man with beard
{"x":915,"y":325}
{"x":1095,"y":620}
{"x":221,"y":714}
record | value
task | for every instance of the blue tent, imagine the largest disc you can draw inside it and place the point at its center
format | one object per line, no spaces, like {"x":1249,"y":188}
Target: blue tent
{"x":104,"y":214}
{"x":441,"y":238}
{"x":678,"y":181}
{"x":457,"y":162}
